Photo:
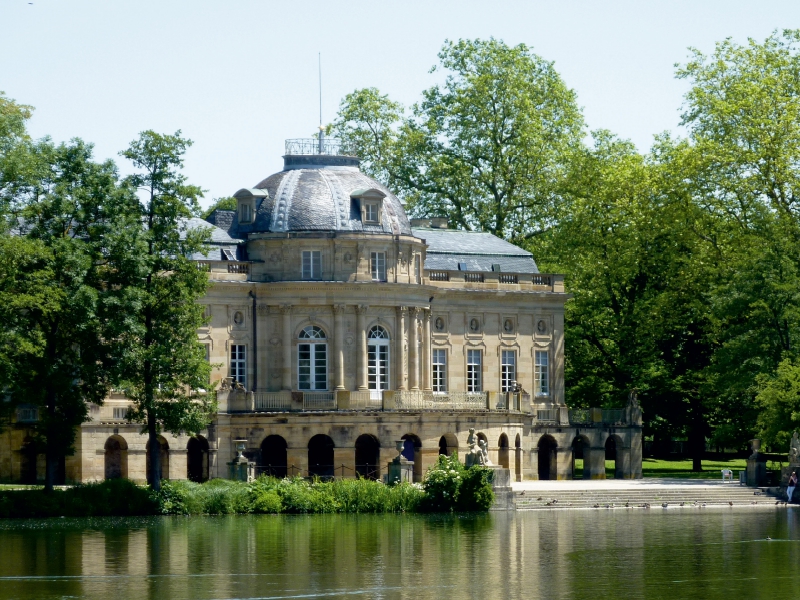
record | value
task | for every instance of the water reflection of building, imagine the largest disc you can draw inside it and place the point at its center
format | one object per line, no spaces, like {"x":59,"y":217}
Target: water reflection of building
{"x":341,"y":327}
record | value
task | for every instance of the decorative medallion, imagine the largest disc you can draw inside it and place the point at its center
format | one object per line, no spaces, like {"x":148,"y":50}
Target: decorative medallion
{"x":439,"y":324}
{"x":541,"y":326}
{"x":349,"y":340}
{"x":238,"y":317}
{"x":474,"y":325}
{"x":275,"y":340}
{"x":508,"y":326}
{"x":348,"y":257}
{"x":274,"y":257}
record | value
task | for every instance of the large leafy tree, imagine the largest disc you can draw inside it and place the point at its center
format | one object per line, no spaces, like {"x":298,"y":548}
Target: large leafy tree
{"x":743,"y":116}
{"x":162,"y":363}
{"x":63,"y":213}
{"x":488,"y":148}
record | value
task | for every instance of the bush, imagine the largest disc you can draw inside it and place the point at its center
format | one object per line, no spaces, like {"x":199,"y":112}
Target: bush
{"x":450,"y":487}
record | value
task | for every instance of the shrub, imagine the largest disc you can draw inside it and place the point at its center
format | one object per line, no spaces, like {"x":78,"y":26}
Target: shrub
{"x":449,"y":486}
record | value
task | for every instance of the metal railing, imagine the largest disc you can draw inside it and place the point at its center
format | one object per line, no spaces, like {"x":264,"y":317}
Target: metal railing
{"x":613,"y":415}
{"x":368,"y":400}
{"x":273,"y":400}
{"x":319,"y":401}
{"x":580,"y":416}
{"x":546,"y":414}
{"x":424,"y":400}
{"x":306,"y":146}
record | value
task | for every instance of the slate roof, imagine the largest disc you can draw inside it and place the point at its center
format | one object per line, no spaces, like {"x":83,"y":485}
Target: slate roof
{"x":220,"y":241}
{"x":319,"y":199}
{"x":479,"y":250}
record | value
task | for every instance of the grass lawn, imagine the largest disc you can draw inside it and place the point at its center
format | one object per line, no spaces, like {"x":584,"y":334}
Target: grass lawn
{"x":652,"y":467}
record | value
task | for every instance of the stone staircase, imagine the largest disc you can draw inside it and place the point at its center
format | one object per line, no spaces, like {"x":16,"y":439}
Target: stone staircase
{"x":691,"y":496}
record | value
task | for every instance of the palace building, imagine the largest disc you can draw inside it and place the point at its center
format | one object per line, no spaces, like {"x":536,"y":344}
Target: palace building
{"x":339,"y":327}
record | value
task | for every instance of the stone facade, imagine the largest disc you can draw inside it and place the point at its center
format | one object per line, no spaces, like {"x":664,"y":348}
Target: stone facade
{"x":336,"y":328}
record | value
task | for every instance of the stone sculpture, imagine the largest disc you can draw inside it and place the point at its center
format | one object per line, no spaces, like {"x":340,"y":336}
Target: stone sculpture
{"x":794,"y":450}
{"x":478,"y":453}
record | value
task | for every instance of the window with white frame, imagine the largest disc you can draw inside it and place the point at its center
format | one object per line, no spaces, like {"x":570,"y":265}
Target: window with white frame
{"x":439,"y":370}
{"x":245,"y":212}
{"x":312,"y":360}
{"x":377,"y":361}
{"x":238,"y":370}
{"x":371,"y":214}
{"x":378,"y":266}
{"x":474,"y":360}
{"x":312,"y":264}
{"x":508,"y":370}
{"x":541,"y":373}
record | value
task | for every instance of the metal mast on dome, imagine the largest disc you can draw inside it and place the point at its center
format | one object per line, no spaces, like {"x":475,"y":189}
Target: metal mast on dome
{"x":321,"y":130}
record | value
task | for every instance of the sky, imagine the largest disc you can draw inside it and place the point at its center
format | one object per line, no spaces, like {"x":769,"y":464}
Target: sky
{"x":240,"y":77}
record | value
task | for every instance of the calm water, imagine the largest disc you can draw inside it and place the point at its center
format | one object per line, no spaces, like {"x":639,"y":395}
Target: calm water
{"x":680,"y":553}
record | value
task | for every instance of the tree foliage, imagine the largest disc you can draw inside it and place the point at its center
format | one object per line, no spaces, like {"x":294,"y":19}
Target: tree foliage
{"x":162,"y":363}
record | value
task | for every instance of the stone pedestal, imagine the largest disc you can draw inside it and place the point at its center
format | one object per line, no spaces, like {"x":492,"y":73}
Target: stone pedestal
{"x":501,"y":485}
{"x":756,"y":466}
{"x":400,"y":471}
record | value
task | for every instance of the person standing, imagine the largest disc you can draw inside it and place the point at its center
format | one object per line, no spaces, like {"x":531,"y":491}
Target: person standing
{"x":792,"y":485}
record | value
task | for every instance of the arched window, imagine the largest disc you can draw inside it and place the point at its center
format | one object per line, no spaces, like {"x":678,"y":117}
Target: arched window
{"x":312,"y":360}
{"x":378,"y":360}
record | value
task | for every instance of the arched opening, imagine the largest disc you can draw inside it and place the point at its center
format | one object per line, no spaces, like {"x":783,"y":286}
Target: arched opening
{"x":273,"y":456}
{"x":502,"y":451}
{"x":368,"y":451}
{"x":547,"y":457}
{"x":579,"y":468}
{"x":448,"y":445}
{"x":312,"y":360}
{"x":612,"y":458}
{"x":320,"y":456}
{"x":518,"y":458}
{"x":197,"y":459}
{"x":116,"y":457}
{"x":377,"y":361}
{"x":412,"y":446}
{"x":164,"y":454}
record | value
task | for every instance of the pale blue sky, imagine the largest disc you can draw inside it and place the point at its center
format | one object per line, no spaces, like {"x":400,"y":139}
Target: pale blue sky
{"x":240,"y":77}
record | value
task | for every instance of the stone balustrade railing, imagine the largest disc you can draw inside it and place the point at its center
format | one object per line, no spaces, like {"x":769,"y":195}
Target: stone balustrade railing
{"x":532,"y":281}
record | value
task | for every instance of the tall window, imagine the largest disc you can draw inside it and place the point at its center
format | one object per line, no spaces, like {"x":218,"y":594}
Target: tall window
{"x":474,"y":383}
{"x":439,"y":370}
{"x":508,"y":372}
{"x":378,"y":264}
{"x":312,"y":264}
{"x":312,"y":360}
{"x":246,"y":213}
{"x":239,"y":364}
{"x":378,"y":360}
{"x":541,"y":373}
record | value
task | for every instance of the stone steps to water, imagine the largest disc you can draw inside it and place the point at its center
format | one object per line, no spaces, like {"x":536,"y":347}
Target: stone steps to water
{"x":652,"y":497}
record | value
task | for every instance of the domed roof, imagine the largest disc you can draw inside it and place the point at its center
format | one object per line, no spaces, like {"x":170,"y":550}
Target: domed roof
{"x":322,"y":193}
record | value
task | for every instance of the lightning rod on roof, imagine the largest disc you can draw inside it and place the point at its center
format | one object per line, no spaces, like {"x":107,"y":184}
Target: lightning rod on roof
{"x":321,"y":133}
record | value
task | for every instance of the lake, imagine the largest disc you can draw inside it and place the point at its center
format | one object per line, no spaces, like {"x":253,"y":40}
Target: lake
{"x":624,"y":553}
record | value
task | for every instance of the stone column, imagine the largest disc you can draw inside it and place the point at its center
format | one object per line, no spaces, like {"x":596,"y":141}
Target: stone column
{"x":338,"y":343}
{"x":594,"y":463}
{"x":426,"y":350}
{"x":361,"y":377}
{"x":400,"y":339}
{"x":286,"y":371}
{"x":413,"y":350}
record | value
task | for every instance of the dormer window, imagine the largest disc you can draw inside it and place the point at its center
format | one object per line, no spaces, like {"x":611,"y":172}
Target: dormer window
{"x":245,"y":213}
{"x":371,"y":204}
{"x":246,"y":202}
{"x":371,"y":212}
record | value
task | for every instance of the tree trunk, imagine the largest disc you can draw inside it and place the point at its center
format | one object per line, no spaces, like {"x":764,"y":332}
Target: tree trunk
{"x":697,"y":439}
{"x":154,"y":468}
{"x":51,"y":435}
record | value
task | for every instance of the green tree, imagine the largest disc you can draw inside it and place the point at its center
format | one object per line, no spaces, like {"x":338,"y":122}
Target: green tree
{"x":743,"y":116}
{"x":489,"y":147}
{"x":52,"y":285}
{"x":367,"y":124}
{"x":224,"y":203}
{"x":163,"y":363}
